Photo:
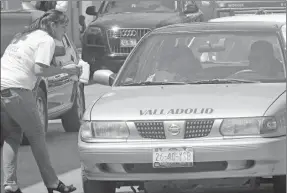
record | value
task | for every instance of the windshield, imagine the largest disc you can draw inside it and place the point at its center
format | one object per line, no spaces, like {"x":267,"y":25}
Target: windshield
{"x":192,"y":57}
{"x":141,"y":6}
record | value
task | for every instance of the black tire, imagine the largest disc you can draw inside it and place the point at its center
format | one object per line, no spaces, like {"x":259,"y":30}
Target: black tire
{"x":279,"y":184}
{"x":71,"y":120}
{"x":42,"y":96}
{"x":92,"y":186}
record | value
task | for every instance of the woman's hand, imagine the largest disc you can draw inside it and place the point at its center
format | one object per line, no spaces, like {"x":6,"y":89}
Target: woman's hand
{"x":73,"y":69}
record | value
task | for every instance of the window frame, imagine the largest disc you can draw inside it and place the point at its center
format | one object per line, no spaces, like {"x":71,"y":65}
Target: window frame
{"x":66,"y":43}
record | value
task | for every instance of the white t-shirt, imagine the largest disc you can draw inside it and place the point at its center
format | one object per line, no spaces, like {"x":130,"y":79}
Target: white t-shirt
{"x":19,"y":58}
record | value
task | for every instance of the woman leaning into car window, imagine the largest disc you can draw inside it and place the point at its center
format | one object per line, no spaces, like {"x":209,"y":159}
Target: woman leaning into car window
{"x":29,"y":55}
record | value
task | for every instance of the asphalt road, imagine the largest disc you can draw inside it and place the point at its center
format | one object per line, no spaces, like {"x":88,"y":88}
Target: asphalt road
{"x":65,"y":159}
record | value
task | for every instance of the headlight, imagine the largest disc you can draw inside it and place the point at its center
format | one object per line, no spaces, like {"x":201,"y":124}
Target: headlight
{"x":104,"y":130}
{"x":249,"y":126}
{"x":94,"y":36}
{"x":94,"y":30}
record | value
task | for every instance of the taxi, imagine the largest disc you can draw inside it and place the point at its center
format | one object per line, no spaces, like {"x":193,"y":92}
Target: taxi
{"x":174,"y":115}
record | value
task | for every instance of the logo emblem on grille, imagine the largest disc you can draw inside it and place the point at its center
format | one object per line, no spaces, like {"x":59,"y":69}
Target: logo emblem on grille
{"x":174,"y":129}
{"x":128,"y":33}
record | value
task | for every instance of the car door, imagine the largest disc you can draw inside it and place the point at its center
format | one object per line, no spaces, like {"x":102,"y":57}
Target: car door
{"x":61,"y":86}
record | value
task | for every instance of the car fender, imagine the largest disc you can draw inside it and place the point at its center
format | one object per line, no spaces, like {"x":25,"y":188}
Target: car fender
{"x":42,"y":82}
{"x":278,"y":106}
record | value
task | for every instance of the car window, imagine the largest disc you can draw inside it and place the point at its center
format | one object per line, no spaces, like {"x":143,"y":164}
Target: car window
{"x":66,"y":42}
{"x":200,"y":56}
{"x":140,"y":6}
{"x":69,"y":57}
{"x":72,"y":50}
{"x":235,"y":47}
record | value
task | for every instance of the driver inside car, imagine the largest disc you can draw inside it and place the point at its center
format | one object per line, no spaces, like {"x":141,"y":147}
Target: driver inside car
{"x":262,"y":62}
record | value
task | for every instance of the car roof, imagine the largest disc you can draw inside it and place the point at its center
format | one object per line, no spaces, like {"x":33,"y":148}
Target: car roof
{"x":218,"y":26}
{"x":272,"y":18}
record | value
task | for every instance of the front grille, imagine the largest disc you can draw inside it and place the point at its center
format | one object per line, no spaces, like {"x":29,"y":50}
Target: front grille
{"x":119,"y":50}
{"x":198,"y":128}
{"x":128,"y":33}
{"x":194,"y":128}
{"x":114,"y":38}
{"x":151,"y":129}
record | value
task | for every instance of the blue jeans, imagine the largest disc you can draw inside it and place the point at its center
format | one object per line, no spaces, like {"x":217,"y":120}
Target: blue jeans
{"x":21,"y":106}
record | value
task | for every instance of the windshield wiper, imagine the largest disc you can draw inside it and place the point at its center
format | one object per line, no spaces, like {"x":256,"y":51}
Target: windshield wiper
{"x":222,"y":81}
{"x":147,"y":83}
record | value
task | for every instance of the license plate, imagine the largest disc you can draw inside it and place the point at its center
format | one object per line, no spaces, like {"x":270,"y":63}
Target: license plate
{"x":172,"y":157}
{"x":128,"y":42}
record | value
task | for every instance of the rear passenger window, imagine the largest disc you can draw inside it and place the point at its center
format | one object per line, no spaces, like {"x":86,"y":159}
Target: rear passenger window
{"x":66,"y":42}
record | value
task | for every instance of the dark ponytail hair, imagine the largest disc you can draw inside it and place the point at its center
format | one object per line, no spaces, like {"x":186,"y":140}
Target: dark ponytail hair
{"x":44,"y":23}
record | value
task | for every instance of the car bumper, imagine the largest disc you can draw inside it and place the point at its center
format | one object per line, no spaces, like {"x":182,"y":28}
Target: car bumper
{"x":132,"y":161}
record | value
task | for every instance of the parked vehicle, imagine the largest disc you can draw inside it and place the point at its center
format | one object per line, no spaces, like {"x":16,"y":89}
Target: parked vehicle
{"x":119,"y":25}
{"x":58,"y":97}
{"x":249,"y":7}
{"x":216,"y":9}
{"x":220,"y":121}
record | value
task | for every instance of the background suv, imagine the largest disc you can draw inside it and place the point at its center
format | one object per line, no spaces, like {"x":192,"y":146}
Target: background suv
{"x":119,"y":25}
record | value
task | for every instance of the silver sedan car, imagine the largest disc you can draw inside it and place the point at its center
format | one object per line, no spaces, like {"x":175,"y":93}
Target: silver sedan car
{"x":193,"y":104}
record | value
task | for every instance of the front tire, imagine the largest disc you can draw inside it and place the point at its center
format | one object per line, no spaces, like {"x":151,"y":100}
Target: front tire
{"x":279,"y":184}
{"x":71,"y":120}
{"x":43,"y":111}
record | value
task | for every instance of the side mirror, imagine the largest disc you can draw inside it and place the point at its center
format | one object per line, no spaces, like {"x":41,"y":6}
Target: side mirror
{"x":104,"y":77}
{"x":59,"y":51}
{"x":91,"y":10}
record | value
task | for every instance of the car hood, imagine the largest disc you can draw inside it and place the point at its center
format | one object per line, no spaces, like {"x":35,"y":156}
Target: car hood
{"x":136,"y":20}
{"x":186,"y":101}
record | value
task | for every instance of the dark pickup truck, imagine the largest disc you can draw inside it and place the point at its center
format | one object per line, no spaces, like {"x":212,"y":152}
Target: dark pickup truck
{"x":58,"y":97}
{"x":120,"y":24}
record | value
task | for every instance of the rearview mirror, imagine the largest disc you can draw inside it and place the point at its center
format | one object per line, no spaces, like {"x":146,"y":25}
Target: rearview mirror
{"x":211,"y":48}
{"x":91,"y":10}
{"x":59,"y":51}
{"x":104,"y":77}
